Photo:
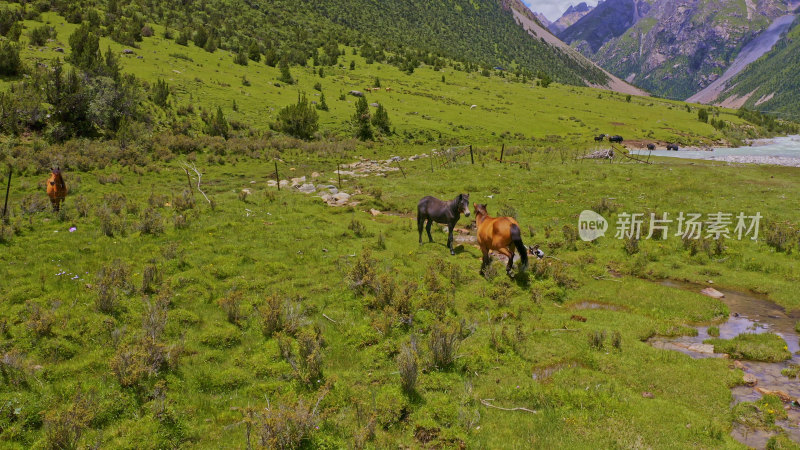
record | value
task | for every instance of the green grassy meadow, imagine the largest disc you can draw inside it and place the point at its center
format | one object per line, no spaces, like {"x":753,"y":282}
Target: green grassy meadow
{"x":267,"y":318}
{"x":517,"y":344}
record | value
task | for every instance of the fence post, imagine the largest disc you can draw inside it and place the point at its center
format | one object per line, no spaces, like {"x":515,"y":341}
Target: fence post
{"x":471,"y":157}
{"x":8,"y":189}
{"x":502,"y":150}
{"x":339,"y":173}
{"x":277,"y":178}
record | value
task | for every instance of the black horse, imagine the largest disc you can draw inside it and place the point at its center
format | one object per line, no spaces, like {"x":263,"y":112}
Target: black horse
{"x":651,"y":146}
{"x":599,"y":138}
{"x":434,"y":210}
{"x":615,"y":138}
{"x":672,"y":147}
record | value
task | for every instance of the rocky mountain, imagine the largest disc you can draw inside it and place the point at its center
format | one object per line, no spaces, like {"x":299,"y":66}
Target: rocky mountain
{"x":673,"y":48}
{"x":573,"y":14}
{"x":772,"y":83}
{"x":527,"y":20}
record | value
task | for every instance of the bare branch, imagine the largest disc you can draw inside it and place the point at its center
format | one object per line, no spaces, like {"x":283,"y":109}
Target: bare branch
{"x":485,"y":402}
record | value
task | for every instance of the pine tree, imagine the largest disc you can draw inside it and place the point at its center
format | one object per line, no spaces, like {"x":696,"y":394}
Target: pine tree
{"x":219,"y":125}
{"x":286,"y":75}
{"x":361,"y":119}
{"x":161,"y":93}
{"x":299,"y":120}
{"x":322,"y":106}
{"x":381,"y":120}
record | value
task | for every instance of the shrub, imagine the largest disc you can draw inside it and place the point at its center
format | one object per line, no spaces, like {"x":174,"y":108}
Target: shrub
{"x":407,"y":365}
{"x":240,"y":58}
{"x":780,"y":236}
{"x":702,"y":115}
{"x":299,"y":120}
{"x":323,"y":105}
{"x":152,"y":222}
{"x":40,"y":322}
{"x":381,"y":120}
{"x":362,"y":276}
{"x":160,"y":94}
{"x":39,"y":35}
{"x":110,"y":224}
{"x":286,"y":74}
{"x":63,"y":428}
{"x":361,"y":120}
{"x":443,"y":343}
{"x":151,"y":279}
{"x":597,"y":339}
{"x":271,"y":313}
{"x":231,"y":304}
{"x":10,"y":62}
{"x":112,"y":280}
{"x":310,"y":356}
{"x":286,"y":427}
{"x":218,"y":125}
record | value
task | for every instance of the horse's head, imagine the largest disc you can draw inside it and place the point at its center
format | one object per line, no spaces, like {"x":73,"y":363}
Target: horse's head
{"x":463,"y":204}
{"x":480,"y":210}
{"x":56,"y":177}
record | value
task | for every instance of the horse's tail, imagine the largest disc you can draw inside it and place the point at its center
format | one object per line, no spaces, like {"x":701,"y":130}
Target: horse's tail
{"x":516,"y":238}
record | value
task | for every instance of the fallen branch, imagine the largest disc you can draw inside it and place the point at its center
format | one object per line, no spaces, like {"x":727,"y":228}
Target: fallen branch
{"x":325,"y":316}
{"x":635,"y":159}
{"x":602,"y":278}
{"x":186,"y":168}
{"x":485,"y":402}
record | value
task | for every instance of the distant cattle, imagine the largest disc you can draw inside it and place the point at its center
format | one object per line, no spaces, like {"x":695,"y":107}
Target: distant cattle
{"x":651,"y":146}
{"x":615,"y":138}
{"x":388,"y":89}
{"x":672,"y":147}
{"x":599,"y":138}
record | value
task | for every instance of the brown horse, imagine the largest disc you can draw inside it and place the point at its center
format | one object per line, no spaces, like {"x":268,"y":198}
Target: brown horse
{"x":56,"y":188}
{"x":502,"y":235}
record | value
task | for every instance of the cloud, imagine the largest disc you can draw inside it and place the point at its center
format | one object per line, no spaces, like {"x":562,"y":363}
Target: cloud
{"x":553,"y":9}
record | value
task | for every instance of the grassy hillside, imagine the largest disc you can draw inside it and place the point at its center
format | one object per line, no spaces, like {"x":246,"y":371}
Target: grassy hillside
{"x":422,"y":108}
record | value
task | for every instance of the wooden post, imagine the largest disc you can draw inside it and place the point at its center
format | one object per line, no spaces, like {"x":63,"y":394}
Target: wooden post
{"x":8,"y":189}
{"x":339,"y":173}
{"x":471,"y":157}
{"x":431,"y":158}
{"x":502,"y":150}
{"x":277,"y":178}
{"x":401,"y":169}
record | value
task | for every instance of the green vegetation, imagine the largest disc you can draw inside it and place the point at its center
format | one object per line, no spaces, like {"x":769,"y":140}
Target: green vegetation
{"x":219,"y":311}
{"x":767,"y":347}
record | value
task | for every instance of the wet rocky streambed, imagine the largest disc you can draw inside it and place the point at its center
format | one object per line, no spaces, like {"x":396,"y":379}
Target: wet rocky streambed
{"x":749,"y":314}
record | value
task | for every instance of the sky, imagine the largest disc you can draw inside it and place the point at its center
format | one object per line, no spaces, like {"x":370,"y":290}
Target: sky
{"x":553,"y":9}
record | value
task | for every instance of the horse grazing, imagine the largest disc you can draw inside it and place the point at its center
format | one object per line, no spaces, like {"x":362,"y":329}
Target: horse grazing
{"x":651,"y":146}
{"x":616,"y":138}
{"x":434,"y":210}
{"x":599,"y":138}
{"x":56,"y":188}
{"x":672,"y":147}
{"x":501,"y":234}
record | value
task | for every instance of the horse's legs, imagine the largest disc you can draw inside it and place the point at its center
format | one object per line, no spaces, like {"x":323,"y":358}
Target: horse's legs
{"x":450,"y":238}
{"x":485,"y":262}
{"x":428,"y":229}
{"x":420,"y":221}
{"x":510,"y":255}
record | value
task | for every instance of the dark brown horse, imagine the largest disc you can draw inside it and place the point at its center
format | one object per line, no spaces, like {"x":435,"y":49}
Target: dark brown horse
{"x":434,"y":210}
{"x":501,"y":234}
{"x":56,"y":188}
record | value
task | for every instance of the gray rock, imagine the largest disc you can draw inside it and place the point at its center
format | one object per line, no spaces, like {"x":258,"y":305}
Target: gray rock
{"x":307,"y":188}
{"x":356,"y":93}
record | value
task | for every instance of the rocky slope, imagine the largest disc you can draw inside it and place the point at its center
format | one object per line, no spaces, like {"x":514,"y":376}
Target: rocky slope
{"x":669,"y":47}
{"x":573,"y":14}
{"x":527,"y":20}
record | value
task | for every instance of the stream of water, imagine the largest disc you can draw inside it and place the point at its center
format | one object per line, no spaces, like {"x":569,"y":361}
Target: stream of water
{"x":783,"y":150}
{"x":749,"y":314}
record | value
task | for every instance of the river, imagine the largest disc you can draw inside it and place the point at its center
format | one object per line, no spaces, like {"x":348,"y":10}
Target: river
{"x":784,"y":151}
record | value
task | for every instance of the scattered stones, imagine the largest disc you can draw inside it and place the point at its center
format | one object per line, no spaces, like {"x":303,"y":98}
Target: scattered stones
{"x":711,"y":292}
{"x":374,"y":212}
{"x":59,"y":50}
{"x":315,"y":175}
{"x":298,"y":181}
{"x":578,"y":318}
{"x":750,"y":379}
{"x":356,"y":93}
{"x":127,"y":51}
{"x":701,"y":348}
{"x":374,"y":105}
{"x":600,"y":154}
{"x":646,"y":394}
{"x":246,"y":191}
{"x":307,"y":188}
{"x":738,"y":365}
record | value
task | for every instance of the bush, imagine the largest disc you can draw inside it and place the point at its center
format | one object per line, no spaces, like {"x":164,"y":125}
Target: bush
{"x":231,"y":304}
{"x":309,"y":344}
{"x":39,"y":35}
{"x":286,"y":75}
{"x":271,"y":313}
{"x":161,"y":93}
{"x":361,"y":120}
{"x":286,"y":427}
{"x":63,"y":428}
{"x":218,"y":125}
{"x":299,"y":120}
{"x":10,"y":62}
{"x":443,"y":343}
{"x":407,"y":365}
{"x":702,"y":115}
{"x":240,"y":58}
{"x":381,"y":120}
{"x":112,"y":280}
{"x":152,"y":222}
